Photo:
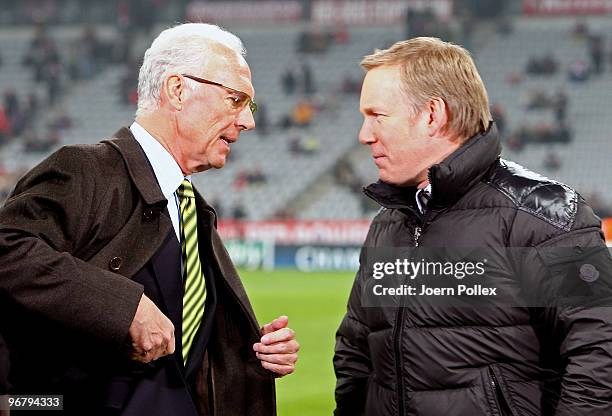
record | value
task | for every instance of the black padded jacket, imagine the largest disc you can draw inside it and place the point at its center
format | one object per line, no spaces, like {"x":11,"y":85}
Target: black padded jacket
{"x":502,"y":361}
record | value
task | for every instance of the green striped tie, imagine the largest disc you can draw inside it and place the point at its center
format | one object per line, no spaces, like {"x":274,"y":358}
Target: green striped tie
{"x":193,"y":279}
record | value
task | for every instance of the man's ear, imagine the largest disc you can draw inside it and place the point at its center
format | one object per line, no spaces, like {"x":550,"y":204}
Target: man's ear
{"x":174,"y":90}
{"x":437,"y":116}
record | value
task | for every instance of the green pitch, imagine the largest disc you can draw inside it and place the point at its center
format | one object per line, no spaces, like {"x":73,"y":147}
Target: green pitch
{"x":315,"y":304}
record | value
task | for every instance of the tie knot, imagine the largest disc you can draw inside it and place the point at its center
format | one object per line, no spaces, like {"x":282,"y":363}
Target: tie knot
{"x":185,"y":190}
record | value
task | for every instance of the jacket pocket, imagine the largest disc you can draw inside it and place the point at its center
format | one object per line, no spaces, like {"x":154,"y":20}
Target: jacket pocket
{"x":501,"y":402}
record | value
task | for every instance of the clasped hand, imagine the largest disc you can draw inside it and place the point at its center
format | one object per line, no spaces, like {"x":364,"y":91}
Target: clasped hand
{"x":277,"y":349}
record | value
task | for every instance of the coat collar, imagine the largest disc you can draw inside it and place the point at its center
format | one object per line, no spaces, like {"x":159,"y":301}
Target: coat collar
{"x":449,"y":179}
{"x":137,"y":166}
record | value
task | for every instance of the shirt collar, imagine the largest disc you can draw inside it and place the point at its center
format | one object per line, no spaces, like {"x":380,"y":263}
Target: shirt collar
{"x":167,"y":171}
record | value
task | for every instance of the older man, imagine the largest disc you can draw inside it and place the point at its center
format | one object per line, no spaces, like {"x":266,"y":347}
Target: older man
{"x":116,"y":289}
{"x":443,"y":185}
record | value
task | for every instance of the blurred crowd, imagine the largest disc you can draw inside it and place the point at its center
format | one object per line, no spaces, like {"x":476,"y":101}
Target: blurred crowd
{"x":37,"y":119}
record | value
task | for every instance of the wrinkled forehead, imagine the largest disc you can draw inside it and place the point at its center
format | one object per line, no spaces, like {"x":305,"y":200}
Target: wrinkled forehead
{"x":229,"y":68}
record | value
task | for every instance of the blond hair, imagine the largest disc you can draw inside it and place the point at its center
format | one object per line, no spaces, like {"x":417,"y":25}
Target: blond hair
{"x":432,"y":68}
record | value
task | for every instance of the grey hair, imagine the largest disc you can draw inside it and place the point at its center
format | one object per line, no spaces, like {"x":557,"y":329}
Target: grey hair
{"x":179,"y":49}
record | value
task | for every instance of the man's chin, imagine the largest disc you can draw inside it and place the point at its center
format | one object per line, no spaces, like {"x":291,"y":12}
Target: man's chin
{"x":218,"y":164}
{"x":396,"y":181}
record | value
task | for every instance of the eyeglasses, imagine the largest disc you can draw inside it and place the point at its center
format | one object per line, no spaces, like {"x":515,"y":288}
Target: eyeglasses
{"x":238,"y":103}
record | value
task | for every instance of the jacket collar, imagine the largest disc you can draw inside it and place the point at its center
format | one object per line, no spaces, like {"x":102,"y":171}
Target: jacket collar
{"x":137,"y":165}
{"x":449,"y":179}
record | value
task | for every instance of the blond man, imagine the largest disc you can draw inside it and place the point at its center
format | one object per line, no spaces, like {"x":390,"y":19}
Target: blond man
{"x":443,"y":184}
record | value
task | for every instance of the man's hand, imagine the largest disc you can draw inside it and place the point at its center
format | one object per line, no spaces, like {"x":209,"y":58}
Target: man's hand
{"x":278,"y":348}
{"x":151,"y":333}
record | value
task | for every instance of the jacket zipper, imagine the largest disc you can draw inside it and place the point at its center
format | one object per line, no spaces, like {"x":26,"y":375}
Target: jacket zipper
{"x":398,"y":360}
{"x":399,"y":323}
{"x":500,"y":400}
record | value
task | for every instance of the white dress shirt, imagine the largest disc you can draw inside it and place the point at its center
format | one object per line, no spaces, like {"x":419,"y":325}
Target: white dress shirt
{"x":167,"y":171}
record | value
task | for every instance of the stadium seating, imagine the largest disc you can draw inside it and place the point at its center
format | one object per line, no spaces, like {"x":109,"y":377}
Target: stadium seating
{"x":96,"y":110}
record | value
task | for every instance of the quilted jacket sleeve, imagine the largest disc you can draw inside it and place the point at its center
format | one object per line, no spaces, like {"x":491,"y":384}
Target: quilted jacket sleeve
{"x":570,"y":275}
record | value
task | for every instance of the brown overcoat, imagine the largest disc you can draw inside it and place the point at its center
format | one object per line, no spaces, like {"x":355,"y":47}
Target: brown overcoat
{"x":75,"y":230}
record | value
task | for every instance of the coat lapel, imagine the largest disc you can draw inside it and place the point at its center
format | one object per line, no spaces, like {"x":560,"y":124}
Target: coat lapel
{"x":166,"y":262}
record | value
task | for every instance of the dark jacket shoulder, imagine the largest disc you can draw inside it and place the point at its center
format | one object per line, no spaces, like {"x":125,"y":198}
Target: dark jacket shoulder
{"x":544,"y":198}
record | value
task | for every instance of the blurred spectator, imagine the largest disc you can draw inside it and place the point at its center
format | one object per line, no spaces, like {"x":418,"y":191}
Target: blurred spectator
{"x":499,"y":117}
{"x":41,"y":53}
{"x":44,"y":58}
{"x":16,"y":114}
{"x":515,"y":141}
{"x":328,"y":103}
{"x":303,"y":113}
{"x":596,"y":52}
{"x":579,"y":71}
{"x":308,"y":79}
{"x":124,"y":21}
{"x":60,"y":121}
{"x":240,"y":182}
{"x":301,"y":79}
{"x":560,"y":103}
{"x":514,"y":78}
{"x":11,"y":103}
{"x":342,"y":35}
{"x":261,"y":120}
{"x":344,"y":174}
{"x":504,"y":25}
{"x":536,"y":99}
{"x":256,"y":177}
{"x":552,"y":161}
{"x":314,"y":40}
{"x":419,"y":23}
{"x":542,"y":65}
{"x":239,"y":212}
{"x":350,"y":85}
{"x":581,"y":29}
{"x":284,"y":213}
{"x":33,"y":143}
{"x":299,"y":146}
{"x":53,"y":78}
{"x":246,"y":178}
{"x":289,"y":80}
{"x":5,"y":125}
{"x":128,"y":85}
{"x":31,"y":108}
{"x":86,"y":55}
{"x":543,"y":133}
{"x":144,"y":13}
{"x":310,"y":145}
{"x":295,"y":145}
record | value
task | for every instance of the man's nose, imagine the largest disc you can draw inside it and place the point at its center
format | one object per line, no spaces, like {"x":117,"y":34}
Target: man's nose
{"x":246,"y":119}
{"x":365,"y":134}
